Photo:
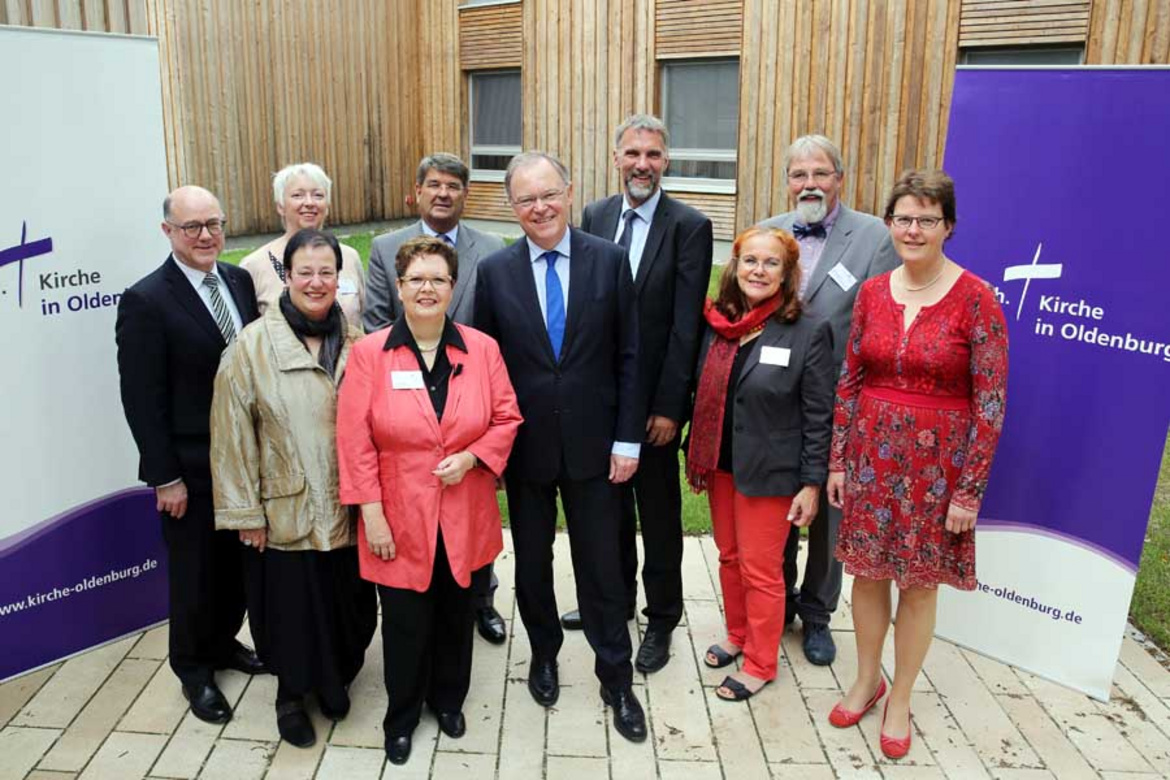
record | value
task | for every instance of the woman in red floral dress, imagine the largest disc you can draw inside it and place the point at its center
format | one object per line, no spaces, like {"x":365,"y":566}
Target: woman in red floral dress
{"x":920,"y":407}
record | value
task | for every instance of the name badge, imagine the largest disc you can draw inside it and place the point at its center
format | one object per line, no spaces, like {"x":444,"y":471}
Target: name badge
{"x":845,"y":280}
{"x":775,"y":356}
{"x":406,"y":380}
{"x":346,"y":287}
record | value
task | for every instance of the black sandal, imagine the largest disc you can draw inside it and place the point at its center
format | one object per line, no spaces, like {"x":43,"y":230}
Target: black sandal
{"x":739,"y":691}
{"x":723,"y":657}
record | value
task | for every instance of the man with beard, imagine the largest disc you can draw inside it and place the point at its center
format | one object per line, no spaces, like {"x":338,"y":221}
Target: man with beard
{"x":839,"y":249}
{"x":669,"y":246}
{"x":440,"y":190}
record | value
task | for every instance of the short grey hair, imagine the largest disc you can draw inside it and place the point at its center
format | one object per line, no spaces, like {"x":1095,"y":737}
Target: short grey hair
{"x":807,"y":145}
{"x":443,"y":163}
{"x":311,"y":171}
{"x":526,"y":159}
{"x":646,"y":122}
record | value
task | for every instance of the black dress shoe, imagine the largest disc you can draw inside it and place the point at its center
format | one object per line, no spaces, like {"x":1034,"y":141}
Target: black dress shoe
{"x":452,"y":724}
{"x":654,"y":652}
{"x":571,"y":621}
{"x":628,"y":717}
{"x":337,"y":708}
{"x":818,"y":644}
{"x":294,"y":725}
{"x":398,"y":749}
{"x":208,"y":703}
{"x":244,"y":659}
{"x":491,"y":625}
{"x":543,"y":682}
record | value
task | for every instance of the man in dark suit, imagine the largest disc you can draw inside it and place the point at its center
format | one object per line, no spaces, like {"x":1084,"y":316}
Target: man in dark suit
{"x":669,"y":245}
{"x":440,"y":190}
{"x":839,"y":249}
{"x":561,"y":304}
{"x":172,"y":327}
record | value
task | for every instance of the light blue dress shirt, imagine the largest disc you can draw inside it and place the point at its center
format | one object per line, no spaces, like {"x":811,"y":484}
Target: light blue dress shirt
{"x":641,"y":227}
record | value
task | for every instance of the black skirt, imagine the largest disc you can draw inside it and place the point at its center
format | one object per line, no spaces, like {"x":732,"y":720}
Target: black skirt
{"x":312,"y":617}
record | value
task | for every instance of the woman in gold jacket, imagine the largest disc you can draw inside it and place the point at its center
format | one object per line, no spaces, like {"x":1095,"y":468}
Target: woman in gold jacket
{"x":274,"y":477}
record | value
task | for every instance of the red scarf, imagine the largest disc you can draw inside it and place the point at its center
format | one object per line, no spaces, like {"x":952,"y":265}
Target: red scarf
{"x":711,"y":397}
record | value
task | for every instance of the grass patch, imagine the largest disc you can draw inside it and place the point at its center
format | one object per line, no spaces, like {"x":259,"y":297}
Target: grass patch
{"x":1149,"y":610}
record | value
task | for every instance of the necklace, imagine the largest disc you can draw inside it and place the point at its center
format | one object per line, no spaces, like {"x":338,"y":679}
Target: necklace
{"x":431,"y":348}
{"x":922,"y":287}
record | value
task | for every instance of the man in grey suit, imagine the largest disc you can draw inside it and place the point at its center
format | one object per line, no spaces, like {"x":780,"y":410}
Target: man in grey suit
{"x":440,"y":189}
{"x":839,"y":249}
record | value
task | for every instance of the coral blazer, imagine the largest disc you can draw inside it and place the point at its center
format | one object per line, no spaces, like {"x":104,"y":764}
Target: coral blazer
{"x":390,"y":440}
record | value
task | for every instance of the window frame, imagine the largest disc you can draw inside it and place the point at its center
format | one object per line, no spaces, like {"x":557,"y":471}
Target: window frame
{"x":1022,"y":49}
{"x":488,"y":174}
{"x":695,"y":183}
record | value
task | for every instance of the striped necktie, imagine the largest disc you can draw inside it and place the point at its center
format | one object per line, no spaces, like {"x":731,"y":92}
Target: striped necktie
{"x":223,"y":318}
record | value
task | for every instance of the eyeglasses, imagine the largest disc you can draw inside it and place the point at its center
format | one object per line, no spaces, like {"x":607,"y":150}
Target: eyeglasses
{"x":453,"y":187}
{"x":771,"y":264}
{"x":437,"y":283}
{"x":528,"y":201}
{"x":820,"y":177}
{"x":904,"y":222}
{"x":193,"y":230}
{"x":307,"y":275}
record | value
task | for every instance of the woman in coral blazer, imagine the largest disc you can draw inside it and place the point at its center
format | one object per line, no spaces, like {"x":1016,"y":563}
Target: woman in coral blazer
{"x":425,"y":423}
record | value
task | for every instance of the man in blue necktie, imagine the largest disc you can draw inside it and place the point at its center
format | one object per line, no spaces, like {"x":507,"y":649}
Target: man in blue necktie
{"x":561,"y":304}
{"x":839,"y":249}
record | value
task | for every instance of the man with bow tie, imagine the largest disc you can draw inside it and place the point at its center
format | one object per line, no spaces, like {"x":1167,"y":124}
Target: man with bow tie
{"x":839,"y":249}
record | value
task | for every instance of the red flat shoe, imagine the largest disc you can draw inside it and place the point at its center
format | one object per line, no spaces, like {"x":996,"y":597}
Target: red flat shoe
{"x":894,"y":748}
{"x":843,"y":718}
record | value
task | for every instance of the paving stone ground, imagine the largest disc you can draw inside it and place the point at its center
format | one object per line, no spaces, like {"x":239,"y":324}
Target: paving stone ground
{"x":117,"y":712}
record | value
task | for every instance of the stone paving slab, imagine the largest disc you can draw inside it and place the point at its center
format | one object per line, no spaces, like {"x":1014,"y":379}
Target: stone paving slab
{"x":117,"y":712}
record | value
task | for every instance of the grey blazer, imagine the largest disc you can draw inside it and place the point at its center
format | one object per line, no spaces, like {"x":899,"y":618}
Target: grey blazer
{"x":783,"y":414}
{"x":382,"y":302}
{"x":861,"y":243}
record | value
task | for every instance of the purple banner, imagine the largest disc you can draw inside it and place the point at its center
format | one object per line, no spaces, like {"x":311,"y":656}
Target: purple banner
{"x":1060,"y":178}
{"x":92,"y":574}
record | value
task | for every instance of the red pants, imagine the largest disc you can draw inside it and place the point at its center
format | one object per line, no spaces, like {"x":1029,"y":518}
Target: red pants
{"x":750,"y":534}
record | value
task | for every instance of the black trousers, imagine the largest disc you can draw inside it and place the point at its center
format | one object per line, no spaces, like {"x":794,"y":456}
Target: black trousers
{"x":592,"y":510}
{"x":815,"y":599}
{"x":656,"y":495}
{"x":206,"y":582}
{"x":426,"y":646}
{"x":483,"y":587}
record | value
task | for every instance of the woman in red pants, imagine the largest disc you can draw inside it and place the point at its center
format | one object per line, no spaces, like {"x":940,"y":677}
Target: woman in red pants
{"x":759,"y":442}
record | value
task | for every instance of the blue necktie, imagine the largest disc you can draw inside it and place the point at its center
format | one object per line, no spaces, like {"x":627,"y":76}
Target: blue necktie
{"x":815,"y":230}
{"x":447,"y":238}
{"x":554,"y":304}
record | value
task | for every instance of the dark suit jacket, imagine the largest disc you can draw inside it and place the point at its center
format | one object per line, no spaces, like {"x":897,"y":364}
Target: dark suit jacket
{"x":576,"y":408}
{"x":783,"y":414}
{"x":671,"y":285}
{"x":383,"y":305}
{"x":168,"y":352}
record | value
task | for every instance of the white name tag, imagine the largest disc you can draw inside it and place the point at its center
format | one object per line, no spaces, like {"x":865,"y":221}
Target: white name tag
{"x":346,"y":287}
{"x":840,"y":274}
{"x":406,"y":380}
{"x":775,"y":356}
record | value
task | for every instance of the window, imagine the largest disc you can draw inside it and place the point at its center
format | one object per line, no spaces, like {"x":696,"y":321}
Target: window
{"x":700,"y":105}
{"x":495,"y":122}
{"x":1023,"y":55}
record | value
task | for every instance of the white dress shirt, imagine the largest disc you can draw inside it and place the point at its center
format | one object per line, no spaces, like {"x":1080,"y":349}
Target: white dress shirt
{"x":641,"y":227}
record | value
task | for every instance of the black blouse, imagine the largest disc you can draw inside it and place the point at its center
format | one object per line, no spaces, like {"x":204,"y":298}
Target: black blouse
{"x":437,"y":377}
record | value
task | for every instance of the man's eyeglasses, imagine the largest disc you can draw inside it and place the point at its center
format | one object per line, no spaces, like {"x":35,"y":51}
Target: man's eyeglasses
{"x":193,"y":230}
{"x":452,"y":187}
{"x":418,"y":282}
{"x":904,"y":222}
{"x":528,"y":201}
{"x":820,"y":177}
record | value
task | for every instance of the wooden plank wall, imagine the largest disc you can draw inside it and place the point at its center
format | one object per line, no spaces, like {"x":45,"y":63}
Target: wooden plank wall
{"x":442,"y":118}
{"x":1022,"y":22}
{"x":685,"y":28}
{"x":1123,"y":32}
{"x":875,"y":77}
{"x":113,"y":16}
{"x":490,"y":36}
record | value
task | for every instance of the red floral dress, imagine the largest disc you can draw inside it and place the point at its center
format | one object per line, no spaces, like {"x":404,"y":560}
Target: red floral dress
{"x":917,"y":420}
